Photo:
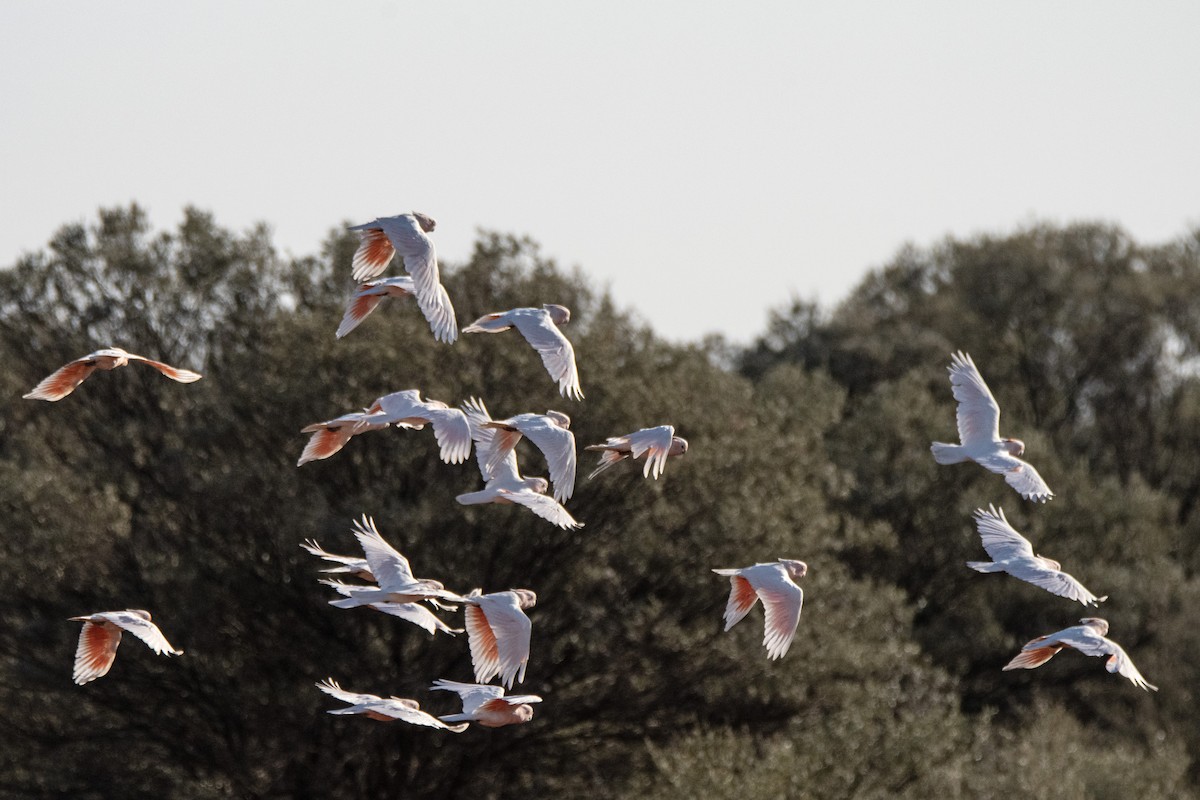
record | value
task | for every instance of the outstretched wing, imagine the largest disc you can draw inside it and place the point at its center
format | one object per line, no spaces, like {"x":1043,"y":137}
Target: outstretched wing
{"x":473,"y":694}
{"x":558,"y":356}
{"x":978,"y":412}
{"x":656,"y":444}
{"x":96,"y":651}
{"x":174,"y":373}
{"x":782,"y":600}
{"x":742,"y":597}
{"x":62,"y":381}
{"x":420,"y":260}
{"x":558,"y":445}
{"x":387,"y":565}
{"x":545,"y":507}
{"x":142,"y":628}
{"x":1018,"y":474}
{"x":1088,"y":642}
{"x":1000,"y":539}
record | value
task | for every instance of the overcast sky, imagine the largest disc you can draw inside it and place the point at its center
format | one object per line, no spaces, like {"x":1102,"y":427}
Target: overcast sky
{"x":706,"y":161}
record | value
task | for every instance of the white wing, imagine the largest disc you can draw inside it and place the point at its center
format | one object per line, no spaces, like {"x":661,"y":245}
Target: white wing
{"x":782,"y":600}
{"x":418,"y":615}
{"x":556,"y":351}
{"x":453,"y":433}
{"x":978,"y":412}
{"x":557,"y":444}
{"x":1088,"y":642}
{"x":656,"y":444}
{"x":473,"y":694}
{"x":1018,"y":474}
{"x":1000,"y":539}
{"x":420,"y":260}
{"x":500,"y":639}
{"x":545,"y":507}
{"x":485,"y":441}
{"x":387,"y":565}
{"x":1055,"y":581}
{"x":142,"y":628}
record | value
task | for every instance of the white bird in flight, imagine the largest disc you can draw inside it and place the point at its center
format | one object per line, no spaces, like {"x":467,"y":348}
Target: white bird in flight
{"x":539,"y":326}
{"x":405,"y":234}
{"x":63,"y":381}
{"x":782,"y":600}
{"x":392,"y":572}
{"x":487,"y":705}
{"x":1012,"y":553}
{"x":102,"y":633}
{"x":406,"y":409}
{"x":504,"y":483}
{"x":1089,"y":639}
{"x":498,"y":632}
{"x":368,"y":295}
{"x":979,"y":431}
{"x":657,"y":444}
{"x":384,"y":709}
{"x":403,"y":409}
{"x":551,"y":432}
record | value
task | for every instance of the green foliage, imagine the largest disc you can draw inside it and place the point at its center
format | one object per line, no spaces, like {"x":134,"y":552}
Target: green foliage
{"x":185,"y":500}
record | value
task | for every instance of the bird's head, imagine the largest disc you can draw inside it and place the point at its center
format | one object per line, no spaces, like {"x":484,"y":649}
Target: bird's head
{"x":1014,"y":446}
{"x":539,"y":485}
{"x":679,"y":446}
{"x":797,"y":569}
{"x":525,"y":598}
{"x":426,"y":222}
{"x":1101,"y":625}
{"x":523,"y":713}
{"x":559,"y":418}
{"x":1050,"y":562}
{"x":560,"y":314}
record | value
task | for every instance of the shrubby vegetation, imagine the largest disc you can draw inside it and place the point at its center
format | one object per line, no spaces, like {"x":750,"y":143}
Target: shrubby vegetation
{"x":136,"y":492}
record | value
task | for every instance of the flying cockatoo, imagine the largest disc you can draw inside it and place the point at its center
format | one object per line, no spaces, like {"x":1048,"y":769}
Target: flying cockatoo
{"x":1089,"y":639}
{"x":782,"y":599}
{"x":406,"y":409}
{"x":63,"y":381}
{"x":979,"y":430}
{"x":102,"y":633}
{"x":487,"y":705}
{"x":539,"y":326}
{"x":551,"y":432}
{"x":384,"y":709}
{"x":405,"y":234}
{"x":504,"y":483}
{"x":498,"y":632}
{"x":1012,"y":553}
{"x":391,"y":571}
{"x":655,"y":443}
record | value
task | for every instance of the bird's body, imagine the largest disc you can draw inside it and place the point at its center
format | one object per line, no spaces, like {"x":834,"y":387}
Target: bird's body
{"x":102,"y":633}
{"x":539,"y":326}
{"x":384,"y":709}
{"x":550,"y":432}
{"x":1012,"y":553}
{"x":63,"y":381}
{"x":657,"y":444}
{"x":1089,"y":639}
{"x":773,"y":583}
{"x":406,"y":234}
{"x":368,"y":295}
{"x":979,"y":431}
{"x":504,"y":483}
{"x":498,"y":632}
{"x":487,"y":705}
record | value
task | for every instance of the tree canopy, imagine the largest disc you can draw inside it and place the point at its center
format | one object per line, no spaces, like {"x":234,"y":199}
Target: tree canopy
{"x":812,"y":443}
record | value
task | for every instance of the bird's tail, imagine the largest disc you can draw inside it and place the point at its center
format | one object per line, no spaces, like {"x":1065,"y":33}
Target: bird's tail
{"x":948,"y":453}
{"x":607,"y":459}
{"x":985,"y":566}
{"x":475,"y":498}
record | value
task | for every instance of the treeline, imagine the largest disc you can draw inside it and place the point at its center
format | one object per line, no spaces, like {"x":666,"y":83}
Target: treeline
{"x":185,"y":500}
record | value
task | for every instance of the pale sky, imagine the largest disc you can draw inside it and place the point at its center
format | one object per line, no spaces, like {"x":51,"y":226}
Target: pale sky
{"x":706,"y":161}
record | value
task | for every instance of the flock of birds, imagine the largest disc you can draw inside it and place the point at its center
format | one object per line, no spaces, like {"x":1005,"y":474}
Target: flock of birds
{"x":497,"y":627}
